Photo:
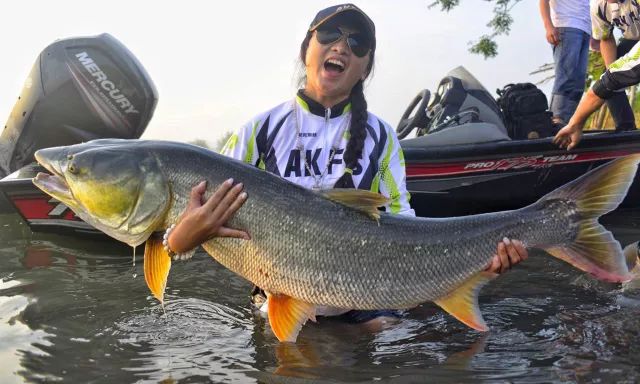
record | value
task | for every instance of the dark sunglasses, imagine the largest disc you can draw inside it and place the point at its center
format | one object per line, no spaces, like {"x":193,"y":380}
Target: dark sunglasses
{"x":358,"y":42}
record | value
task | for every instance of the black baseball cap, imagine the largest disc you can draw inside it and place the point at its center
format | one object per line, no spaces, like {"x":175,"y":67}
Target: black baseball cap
{"x":346,"y":10}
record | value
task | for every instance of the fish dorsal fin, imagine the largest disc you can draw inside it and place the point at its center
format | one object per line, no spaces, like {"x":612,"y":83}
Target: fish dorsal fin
{"x":287,"y":316}
{"x":157,"y":264}
{"x":462,"y":303}
{"x":360,"y":199}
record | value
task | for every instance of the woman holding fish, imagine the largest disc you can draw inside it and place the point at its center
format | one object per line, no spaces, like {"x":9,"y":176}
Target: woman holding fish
{"x":325,"y":138}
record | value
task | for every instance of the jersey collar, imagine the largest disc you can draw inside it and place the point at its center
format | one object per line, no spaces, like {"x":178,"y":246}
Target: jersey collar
{"x":318,"y":109}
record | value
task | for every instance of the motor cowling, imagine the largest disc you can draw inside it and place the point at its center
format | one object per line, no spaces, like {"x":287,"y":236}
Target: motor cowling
{"x":79,"y":89}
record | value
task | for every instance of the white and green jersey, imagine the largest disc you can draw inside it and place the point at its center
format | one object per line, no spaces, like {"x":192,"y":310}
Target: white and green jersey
{"x":605,"y":16}
{"x":622,"y":73}
{"x":304,"y":142}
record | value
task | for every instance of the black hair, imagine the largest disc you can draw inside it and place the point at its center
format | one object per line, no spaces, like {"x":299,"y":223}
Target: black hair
{"x":358,"y":125}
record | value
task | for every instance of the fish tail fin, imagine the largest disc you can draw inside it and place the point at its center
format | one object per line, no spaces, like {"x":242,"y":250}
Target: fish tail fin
{"x":594,"y":251}
{"x":595,"y":193}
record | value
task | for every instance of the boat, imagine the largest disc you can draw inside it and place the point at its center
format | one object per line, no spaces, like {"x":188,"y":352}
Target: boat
{"x":79,"y":89}
{"x":464,"y":161}
{"x":460,"y":159}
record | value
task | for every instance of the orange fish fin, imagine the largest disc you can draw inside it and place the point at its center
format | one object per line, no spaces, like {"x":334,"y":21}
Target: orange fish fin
{"x":292,"y":358}
{"x":594,"y":251}
{"x":287,"y":316}
{"x":595,"y":193}
{"x":462,"y":303}
{"x":362,"y":200}
{"x":157,"y":264}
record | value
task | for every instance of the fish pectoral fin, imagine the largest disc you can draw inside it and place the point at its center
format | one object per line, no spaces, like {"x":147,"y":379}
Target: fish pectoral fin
{"x":462,"y":303}
{"x":287,"y":316}
{"x":362,"y":200}
{"x":157,"y":264}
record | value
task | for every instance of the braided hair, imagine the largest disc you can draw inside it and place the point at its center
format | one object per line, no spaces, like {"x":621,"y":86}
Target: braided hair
{"x":358,"y":124}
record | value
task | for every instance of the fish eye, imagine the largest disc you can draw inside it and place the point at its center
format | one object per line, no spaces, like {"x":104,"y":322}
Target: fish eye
{"x":72,"y":169}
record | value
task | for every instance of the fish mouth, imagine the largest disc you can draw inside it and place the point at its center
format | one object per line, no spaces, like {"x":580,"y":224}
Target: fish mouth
{"x":54,"y":185}
{"x":41,"y":158}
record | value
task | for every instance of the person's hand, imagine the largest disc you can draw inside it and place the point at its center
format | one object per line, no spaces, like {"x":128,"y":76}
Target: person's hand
{"x":569,"y":136}
{"x":509,"y":253}
{"x":203,"y":220}
{"x":553,"y":36}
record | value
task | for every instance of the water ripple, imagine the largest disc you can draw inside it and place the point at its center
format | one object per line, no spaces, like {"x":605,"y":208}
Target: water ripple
{"x":192,"y":337}
{"x":76,"y":310}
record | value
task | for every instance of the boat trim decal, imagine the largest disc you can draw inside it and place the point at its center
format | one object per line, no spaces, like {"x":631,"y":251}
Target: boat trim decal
{"x":509,"y":163}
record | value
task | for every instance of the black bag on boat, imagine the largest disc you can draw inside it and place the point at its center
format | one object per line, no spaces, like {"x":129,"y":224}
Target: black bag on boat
{"x":78,"y":90}
{"x":524,"y":108}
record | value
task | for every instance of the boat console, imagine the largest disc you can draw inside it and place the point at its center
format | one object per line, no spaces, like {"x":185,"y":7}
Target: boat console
{"x":461,"y":111}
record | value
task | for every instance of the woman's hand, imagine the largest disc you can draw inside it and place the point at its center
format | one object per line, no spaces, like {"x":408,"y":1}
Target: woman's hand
{"x":509,"y":254}
{"x":203,"y":220}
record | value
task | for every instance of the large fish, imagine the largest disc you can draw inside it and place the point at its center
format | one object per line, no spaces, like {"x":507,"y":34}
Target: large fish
{"x":334,"y":248}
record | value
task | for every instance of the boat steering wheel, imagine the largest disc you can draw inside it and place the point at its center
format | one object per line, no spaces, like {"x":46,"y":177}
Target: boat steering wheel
{"x":419,"y":119}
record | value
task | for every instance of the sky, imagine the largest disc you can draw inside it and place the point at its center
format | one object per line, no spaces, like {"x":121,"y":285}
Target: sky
{"x":217,"y":64}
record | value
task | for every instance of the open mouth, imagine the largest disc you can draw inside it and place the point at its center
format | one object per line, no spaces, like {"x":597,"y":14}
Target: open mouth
{"x":334,"y":66}
{"x":53,"y":185}
{"x":48,"y":165}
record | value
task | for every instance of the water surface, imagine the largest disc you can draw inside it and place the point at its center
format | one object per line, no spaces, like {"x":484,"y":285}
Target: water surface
{"x":77,"y":310}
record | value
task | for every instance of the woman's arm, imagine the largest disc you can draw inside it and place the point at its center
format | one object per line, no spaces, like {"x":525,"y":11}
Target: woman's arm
{"x":508,"y":254}
{"x":205,"y":219}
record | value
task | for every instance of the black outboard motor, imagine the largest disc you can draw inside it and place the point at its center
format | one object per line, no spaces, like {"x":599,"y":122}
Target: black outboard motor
{"x":79,"y":89}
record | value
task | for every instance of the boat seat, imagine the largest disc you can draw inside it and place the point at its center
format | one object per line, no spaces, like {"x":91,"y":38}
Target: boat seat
{"x":469,"y":133}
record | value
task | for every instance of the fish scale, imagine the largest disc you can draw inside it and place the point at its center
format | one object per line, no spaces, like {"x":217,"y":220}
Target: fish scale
{"x":311,"y":249}
{"x":304,"y":246}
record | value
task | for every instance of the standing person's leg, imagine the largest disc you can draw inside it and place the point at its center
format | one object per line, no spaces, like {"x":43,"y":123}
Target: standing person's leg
{"x":621,"y":111}
{"x":568,"y":56}
{"x":579,"y":74}
{"x":618,"y":104}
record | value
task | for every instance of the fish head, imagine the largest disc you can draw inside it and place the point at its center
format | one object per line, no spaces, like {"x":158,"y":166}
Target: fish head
{"x":119,"y":188}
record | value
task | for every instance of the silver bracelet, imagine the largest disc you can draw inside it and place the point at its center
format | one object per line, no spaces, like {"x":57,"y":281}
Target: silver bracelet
{"x":173,"y":255}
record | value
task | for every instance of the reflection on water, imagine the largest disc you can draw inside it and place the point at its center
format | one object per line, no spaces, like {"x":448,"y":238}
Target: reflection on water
{"x":17,"y":337}
{"x":77,"y":310}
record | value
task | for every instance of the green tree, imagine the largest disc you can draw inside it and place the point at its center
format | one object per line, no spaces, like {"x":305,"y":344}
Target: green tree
{"x":222,"y":141}
{"x":200,"y":143}
{"x":218,"y":145}
{"x":500,"y":24}
{"x":595,"y":68}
